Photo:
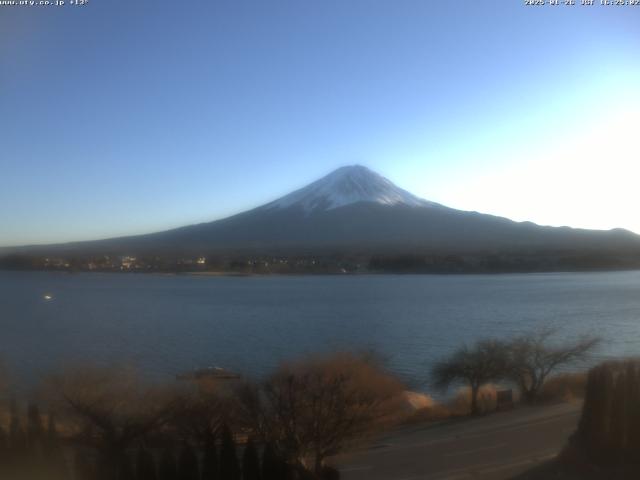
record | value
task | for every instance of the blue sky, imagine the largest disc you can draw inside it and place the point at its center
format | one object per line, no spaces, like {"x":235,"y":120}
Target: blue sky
{"x":125,"y":117}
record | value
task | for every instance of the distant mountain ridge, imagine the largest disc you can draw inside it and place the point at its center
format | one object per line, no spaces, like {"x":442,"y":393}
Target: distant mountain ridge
{"x":354,"y":209}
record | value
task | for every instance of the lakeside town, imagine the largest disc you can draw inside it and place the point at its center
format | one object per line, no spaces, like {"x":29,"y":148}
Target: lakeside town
{"x":169,"y":264}
{"x":333,"y":263}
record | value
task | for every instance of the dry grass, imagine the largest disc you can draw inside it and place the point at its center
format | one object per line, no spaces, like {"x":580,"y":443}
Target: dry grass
{"x":567,"y":387}
{"x":459,"y":406}
{"x":435,"y":413}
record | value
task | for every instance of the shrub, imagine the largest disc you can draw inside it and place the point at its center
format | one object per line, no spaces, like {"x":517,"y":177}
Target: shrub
{"x":313,"y":409}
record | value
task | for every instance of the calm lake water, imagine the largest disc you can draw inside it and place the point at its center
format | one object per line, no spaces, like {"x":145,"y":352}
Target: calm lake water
{"x":169,"y":324}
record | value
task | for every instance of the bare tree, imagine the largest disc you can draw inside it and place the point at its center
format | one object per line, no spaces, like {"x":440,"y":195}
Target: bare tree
{"x":111,"y":410}
{"x":314,"y":409}
{"x":200,"y":415}
{"x":485,"y":362}
{"x":532,"y":357}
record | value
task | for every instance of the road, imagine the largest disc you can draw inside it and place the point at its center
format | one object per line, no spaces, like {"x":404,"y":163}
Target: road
{"x":493,"y":447}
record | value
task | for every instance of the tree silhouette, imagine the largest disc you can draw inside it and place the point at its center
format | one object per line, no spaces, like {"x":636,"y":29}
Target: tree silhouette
{"x":188,"y":464}
{"x":485,"y":362}
{"x":52,"y":441}
{"x":250,"y":462}
{"x":270,"y":463}
{"x":4,"y":452}
{"x":52,"y":451}
{"x":35,"y":430}
{"x":532,"y":357}
{"x":145,"y":465}
{"x":125,"y":469}
{"x":83,"y":466}
{"x":210,"y":467}
{"x":274,"y":466}
{"x":17,"y":440}
{"x":229,"y":468}
{"x":315,"y":408}
{"x":168,"y":469}
{"x":116,"y":408}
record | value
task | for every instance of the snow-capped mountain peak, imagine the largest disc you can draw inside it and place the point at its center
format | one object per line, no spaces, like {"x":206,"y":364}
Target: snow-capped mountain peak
{"x":346,"y":186}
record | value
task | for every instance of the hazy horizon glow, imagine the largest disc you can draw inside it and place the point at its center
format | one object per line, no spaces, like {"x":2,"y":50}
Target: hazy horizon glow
{"x":120,"y":119}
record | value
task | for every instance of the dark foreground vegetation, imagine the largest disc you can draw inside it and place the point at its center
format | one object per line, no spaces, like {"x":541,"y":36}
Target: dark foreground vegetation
{"x":107,"y":424}
{"x":608,"y":437}
{"x":606,"y":444}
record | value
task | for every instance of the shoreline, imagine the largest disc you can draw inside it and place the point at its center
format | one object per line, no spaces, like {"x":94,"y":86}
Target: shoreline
{"x":324,"y":274}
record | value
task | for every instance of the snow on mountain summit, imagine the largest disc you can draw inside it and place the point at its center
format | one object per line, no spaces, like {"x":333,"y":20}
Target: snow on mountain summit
{"x":345,"y":186}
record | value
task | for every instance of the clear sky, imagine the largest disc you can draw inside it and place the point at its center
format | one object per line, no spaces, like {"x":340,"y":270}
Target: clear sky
{"x":125,"y":117}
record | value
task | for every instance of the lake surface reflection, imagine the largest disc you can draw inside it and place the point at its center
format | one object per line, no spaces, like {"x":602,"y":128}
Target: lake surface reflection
{"x":168,"y":324}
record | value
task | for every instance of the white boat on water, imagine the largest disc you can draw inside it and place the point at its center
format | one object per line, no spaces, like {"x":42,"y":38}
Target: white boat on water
{"x":47,"y":296}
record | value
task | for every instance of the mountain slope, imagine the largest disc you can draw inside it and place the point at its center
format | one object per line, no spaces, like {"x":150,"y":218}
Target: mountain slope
{"x":356,"y":210}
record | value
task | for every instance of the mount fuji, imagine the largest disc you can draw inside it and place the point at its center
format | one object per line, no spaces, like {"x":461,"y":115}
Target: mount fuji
{"x":355,"y":210}
{"x":346,"y":186}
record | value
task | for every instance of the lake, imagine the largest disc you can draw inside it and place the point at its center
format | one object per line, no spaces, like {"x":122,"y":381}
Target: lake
{"x":168,"y":324}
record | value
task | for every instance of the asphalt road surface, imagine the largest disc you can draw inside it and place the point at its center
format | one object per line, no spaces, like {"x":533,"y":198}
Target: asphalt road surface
{"x":493,"y":447}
